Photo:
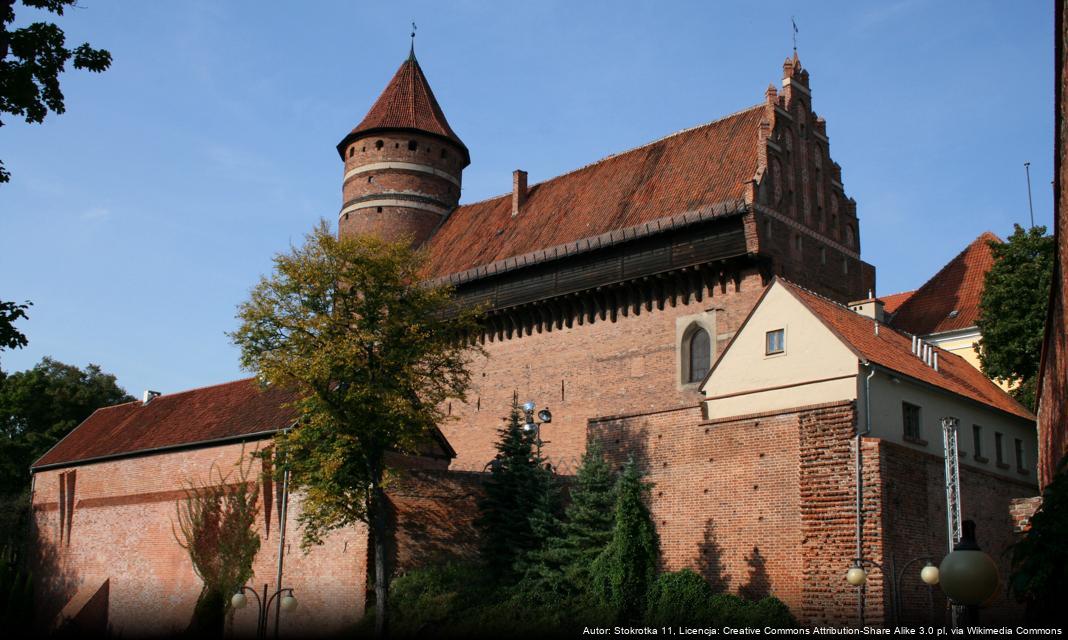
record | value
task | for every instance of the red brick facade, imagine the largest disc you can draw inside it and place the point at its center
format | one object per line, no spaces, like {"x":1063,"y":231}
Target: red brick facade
{"x":766,"y":504}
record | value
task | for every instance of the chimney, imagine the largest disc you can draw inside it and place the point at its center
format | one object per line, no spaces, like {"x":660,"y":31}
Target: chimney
{"x":149,"y":395}
{"x":870,"y":308}
{"x":519,"y":191}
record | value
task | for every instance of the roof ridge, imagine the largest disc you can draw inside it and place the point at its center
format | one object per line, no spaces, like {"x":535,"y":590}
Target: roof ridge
{"x":621,"y":153}
{"x":202,"y":387}
{"x":952,"y":260}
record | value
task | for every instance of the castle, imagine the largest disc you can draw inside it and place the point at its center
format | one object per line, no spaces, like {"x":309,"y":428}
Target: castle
{"x":619,"y":294}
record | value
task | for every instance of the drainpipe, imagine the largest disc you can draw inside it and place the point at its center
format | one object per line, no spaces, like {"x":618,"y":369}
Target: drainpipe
{"x":860,"y":481}
{"x":281,"y":545}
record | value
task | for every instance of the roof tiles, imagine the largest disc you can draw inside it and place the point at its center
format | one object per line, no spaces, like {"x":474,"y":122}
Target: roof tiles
{"x":950,"y":299}
{"x":893,"y":350}
{"x":408,"y":103}
{"x":706,"y":165}
{"x":227,"y":410}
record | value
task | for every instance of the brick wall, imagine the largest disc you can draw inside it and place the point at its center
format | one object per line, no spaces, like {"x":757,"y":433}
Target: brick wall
{"x":914,"y":510}
{"x":758,"y":504}
{"x":120,"y":529}
{"x":594,"y":369}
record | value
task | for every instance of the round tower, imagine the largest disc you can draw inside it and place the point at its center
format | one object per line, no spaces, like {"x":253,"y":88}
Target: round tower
{"x":403,"y":163}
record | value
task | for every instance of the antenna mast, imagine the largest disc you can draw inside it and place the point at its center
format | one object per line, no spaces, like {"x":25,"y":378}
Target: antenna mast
{"x":1031,"y":207}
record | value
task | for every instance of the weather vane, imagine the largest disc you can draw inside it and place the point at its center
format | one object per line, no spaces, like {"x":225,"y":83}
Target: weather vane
{"x":413,"y":33}
{"x":792,"y":21}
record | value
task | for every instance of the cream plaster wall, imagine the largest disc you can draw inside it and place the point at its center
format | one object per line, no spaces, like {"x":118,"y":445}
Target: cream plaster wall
{"x":887,"y":423}
{"x":814,"y":368}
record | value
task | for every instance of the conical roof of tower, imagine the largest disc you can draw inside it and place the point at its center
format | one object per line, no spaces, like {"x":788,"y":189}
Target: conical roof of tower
{"x":407,"y":104}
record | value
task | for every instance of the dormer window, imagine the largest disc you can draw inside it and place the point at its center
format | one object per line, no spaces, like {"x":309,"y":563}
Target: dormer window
{"x":775,"y":342}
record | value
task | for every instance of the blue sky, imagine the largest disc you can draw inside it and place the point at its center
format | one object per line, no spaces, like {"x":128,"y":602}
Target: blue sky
{"x":139,"y":219}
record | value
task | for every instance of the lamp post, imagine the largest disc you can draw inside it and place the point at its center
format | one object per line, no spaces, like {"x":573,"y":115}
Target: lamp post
{"x":545,"y":416}
{"x":858,"y":577}
{"x":263,"y":604}
{"x":969,"y":576}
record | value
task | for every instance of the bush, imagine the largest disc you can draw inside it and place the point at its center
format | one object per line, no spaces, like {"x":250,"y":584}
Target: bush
{"x":682,"y":597}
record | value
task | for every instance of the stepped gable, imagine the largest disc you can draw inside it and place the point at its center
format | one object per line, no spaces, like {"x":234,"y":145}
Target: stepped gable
{"x":706,"y":165}
{"x":893,"y":350}
{"x":198,"y":416}
{"x":957,"y":287}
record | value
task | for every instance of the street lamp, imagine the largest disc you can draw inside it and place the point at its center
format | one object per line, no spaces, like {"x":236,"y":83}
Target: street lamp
{"x":969,"y":576}
{"x":263,"y":605}
{"x":530,"y":426}
{"x":857,"y":576}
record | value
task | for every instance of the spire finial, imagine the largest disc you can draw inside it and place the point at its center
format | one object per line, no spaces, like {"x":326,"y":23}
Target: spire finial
{"x":411,"y":52}
{"x":794,"y":23}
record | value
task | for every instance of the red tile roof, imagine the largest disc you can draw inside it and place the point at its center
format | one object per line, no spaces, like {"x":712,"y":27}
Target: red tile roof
{"x":227,"y":410}
{"x":957,"y":287}
{"x":406,"y":103}
{"x":895,"y":300}
{"x":706,"y":165}
{"x":893,"y":350}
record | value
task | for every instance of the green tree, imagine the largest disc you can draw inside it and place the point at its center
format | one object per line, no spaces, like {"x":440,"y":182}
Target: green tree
{"x":562,"y":569}
{"x":517,"y":511}
{"x":626,"y":569}
{"x":10,"y":337}
{"x":1012,"y":309}
{"x":216,"y":526}
{"x":31,"y":59}
{"x":1040,"y":559}
{"x":38,"y":407}
{"x":373,"y":354}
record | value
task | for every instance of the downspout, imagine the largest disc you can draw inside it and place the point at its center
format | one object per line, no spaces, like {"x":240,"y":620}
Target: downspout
{"x":860,"y":482}
{"x":281,"y":545}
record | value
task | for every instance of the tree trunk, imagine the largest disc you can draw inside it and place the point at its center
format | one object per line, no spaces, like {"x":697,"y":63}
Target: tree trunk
{"x":379,"y":533}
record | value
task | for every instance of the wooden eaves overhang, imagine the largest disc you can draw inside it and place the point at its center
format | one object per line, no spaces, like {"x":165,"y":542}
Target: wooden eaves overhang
{"x":625,"y":271}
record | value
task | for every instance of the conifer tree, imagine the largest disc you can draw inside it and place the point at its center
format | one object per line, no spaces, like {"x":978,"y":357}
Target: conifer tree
{"x":517,"y":510}
{"x":562,"y":569}
{"x":626,"y":569}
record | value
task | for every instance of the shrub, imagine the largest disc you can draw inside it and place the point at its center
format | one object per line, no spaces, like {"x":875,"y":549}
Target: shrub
{"x":682,"y":597}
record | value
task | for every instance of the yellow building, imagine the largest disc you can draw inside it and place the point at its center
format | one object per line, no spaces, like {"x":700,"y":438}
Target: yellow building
{"x":945,"y":310}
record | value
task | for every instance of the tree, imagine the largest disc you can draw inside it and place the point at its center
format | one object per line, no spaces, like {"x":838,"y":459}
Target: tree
{"x":10,"y":337}
{"x":372,"y":353}
{"x":1012,"y":309}
{"x":216,"y":525}
{"x":38,"y":407}
{"x":562,"y":569}
{"x":31,"y":59}
{"x":626,"y":569}
{"x":519,"y":503}
{"x":1040,"y":559}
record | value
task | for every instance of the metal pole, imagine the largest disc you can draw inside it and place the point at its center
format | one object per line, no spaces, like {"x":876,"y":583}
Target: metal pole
{"x":1027,"y":168}
{"x":281,"y":546}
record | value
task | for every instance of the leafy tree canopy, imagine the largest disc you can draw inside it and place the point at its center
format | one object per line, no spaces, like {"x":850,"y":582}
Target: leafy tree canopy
{"x":10,"y":337}
{"x":1040,"y":559}
{"x":373,"y":354}
{"x":31,"y":59}
{"x":40,"y":406}
{"x":1012,"y":309}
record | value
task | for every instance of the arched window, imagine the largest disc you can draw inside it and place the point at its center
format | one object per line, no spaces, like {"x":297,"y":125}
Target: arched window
{"x":700,"y":355}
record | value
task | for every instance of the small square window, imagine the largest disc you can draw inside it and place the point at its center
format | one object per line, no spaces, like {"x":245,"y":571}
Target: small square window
{"x":910,"y":418}
{"x":775,"y":342}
